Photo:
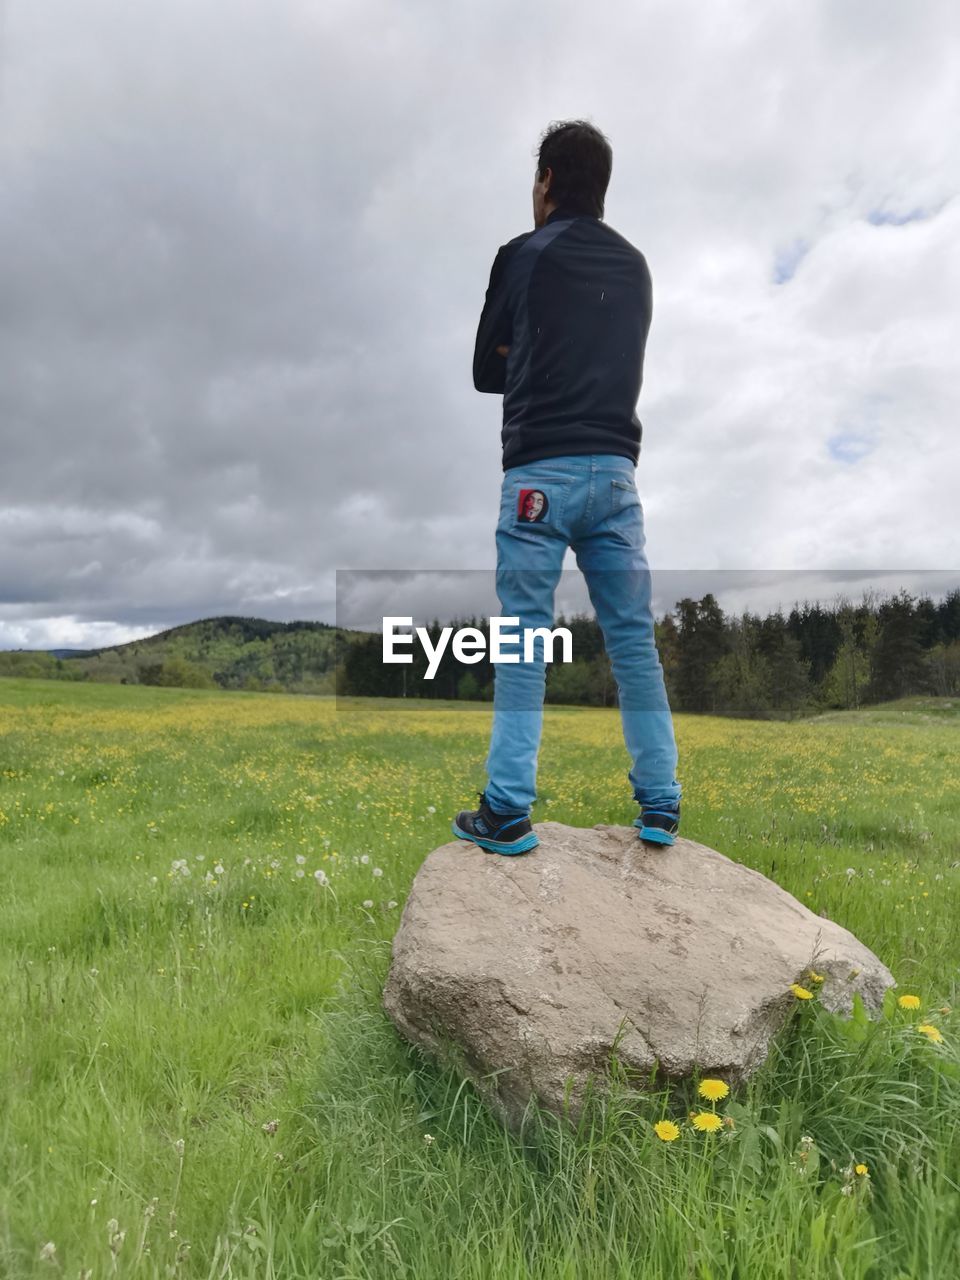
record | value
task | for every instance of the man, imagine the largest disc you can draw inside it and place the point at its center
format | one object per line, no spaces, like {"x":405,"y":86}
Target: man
{"x":562,"y":337}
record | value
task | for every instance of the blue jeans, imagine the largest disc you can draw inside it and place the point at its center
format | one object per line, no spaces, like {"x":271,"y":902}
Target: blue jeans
{"x":591,"y":504}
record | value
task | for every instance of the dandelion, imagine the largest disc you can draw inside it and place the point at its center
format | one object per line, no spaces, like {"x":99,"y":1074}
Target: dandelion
{"x":707,"y":1122}
{"x":861,"y":1170}
{"x":218,"y":869}
{"x":364,"y":857}
{"x":816,"y":977}
{"x":49,"y":1252}
{"x":801,"y":992}
{"x":368,"y":903}
{"x":909,"y":1002}
{"x":320,"y":876}
{"x":666,"y":1130}
{"x":431,"y":808}
{"x":713,"y":1090}
{"x":391,"y":904}
{"x":931,"y":1032}
{"x":301,"y":859}
{"x":377,"y":871}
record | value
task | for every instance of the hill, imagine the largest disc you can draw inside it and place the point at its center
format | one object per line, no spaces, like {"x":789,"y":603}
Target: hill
{"x":224,"y":652}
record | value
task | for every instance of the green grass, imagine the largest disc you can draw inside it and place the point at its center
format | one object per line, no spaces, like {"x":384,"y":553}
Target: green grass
{"x":158,"y":1023}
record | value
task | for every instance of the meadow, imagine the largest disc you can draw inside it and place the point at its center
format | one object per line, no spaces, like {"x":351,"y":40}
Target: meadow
{"x":197,"y":1080}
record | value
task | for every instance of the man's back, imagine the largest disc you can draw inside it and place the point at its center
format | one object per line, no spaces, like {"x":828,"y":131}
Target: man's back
{"x":573,"y":302}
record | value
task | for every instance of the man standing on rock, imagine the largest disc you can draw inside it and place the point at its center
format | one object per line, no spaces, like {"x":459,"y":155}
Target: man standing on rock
{"x":562,"y":337}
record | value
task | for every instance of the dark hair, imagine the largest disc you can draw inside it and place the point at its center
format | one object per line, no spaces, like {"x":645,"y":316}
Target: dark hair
{"x":581,"y":159}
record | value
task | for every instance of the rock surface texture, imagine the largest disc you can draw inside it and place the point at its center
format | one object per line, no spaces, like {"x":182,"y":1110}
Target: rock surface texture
{"x":525,"y":971}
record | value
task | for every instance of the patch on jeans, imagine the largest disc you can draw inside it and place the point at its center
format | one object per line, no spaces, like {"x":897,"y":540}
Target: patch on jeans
{"x":532,"y":506}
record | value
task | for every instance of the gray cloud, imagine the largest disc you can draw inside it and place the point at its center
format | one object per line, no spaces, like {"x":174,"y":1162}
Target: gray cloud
{"x":244,"y":252}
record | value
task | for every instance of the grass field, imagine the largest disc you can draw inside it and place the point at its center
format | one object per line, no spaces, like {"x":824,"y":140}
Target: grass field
{"x":197,"y":1078}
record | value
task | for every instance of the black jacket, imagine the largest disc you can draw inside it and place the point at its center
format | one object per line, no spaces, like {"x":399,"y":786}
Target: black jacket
{"x":573,"y":301}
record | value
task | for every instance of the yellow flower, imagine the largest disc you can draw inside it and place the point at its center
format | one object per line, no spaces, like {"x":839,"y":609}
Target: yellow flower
{"x":801,"y":992}
{"x":815,"y":977}
{"x":931,"y":1032}
{"x":713,"y":1090}
{"x":707,"y":1122}
{"x":909,"y":1002}
{"x":666,"y":1130}
{"x":861,"y":1169}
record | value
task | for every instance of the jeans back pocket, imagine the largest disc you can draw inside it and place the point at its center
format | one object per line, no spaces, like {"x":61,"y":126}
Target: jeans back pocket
{"x":537,"y":501}
{"x":623,"y":493}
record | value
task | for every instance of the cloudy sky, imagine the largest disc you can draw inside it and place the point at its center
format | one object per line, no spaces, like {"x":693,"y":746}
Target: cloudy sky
{"x":244,"y":247}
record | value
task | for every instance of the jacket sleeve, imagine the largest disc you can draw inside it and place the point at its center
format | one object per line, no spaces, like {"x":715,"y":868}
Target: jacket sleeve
{"x":495,"y":329}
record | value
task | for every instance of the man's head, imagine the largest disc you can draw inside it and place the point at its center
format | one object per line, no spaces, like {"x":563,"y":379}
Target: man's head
{"x":574,"y":164}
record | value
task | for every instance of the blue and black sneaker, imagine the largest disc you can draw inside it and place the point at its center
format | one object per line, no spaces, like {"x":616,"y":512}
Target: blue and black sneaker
{"x":499,"y":832}
{"x":659,"y":826}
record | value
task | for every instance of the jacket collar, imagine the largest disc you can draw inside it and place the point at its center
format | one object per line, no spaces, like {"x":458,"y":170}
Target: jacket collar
{"x":562,"y":211}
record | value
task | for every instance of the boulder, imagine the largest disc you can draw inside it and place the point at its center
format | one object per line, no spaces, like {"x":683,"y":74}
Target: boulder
{"x":530,"y":972}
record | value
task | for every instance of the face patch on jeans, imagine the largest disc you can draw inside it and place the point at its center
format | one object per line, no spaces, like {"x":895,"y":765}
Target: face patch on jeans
{"x":532,"y":506}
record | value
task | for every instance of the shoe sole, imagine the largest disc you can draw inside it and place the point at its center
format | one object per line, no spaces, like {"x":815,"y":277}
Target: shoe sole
{"x":655,"y":835}
{"x":499,"y":846}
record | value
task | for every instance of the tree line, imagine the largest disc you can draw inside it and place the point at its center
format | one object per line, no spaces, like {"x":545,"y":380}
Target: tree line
{"x":774,"y":666}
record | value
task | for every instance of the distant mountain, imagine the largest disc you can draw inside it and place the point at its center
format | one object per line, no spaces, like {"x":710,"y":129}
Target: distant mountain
{"x":224,"y":652}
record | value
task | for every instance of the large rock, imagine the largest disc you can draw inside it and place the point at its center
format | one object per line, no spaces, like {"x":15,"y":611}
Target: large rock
{"x":532,"y":967}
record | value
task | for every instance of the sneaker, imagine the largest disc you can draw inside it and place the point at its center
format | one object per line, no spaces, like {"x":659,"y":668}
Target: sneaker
{"x":658,"y":826}
{"x":499,"y":832}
